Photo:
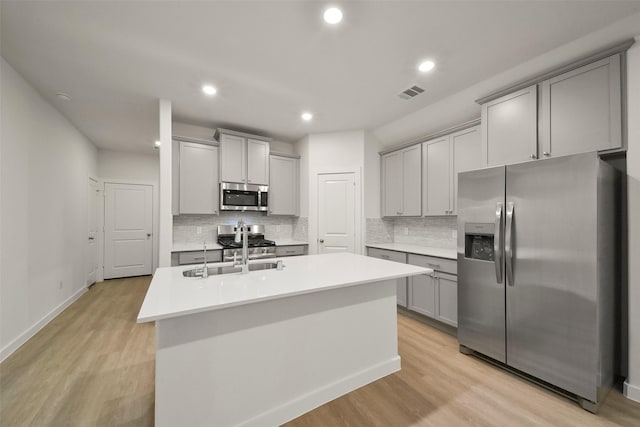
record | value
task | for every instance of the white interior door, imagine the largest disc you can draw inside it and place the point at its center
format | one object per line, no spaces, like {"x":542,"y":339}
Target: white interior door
{"x":336,"y":213}
{"x":128,"y":220}
{"x":92,"y":232}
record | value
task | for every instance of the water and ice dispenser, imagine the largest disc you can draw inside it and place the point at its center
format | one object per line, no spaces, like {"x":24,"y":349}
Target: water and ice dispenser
{"x":478,"y":241}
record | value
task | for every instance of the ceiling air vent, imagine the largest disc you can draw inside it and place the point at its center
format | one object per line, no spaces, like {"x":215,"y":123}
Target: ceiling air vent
{"x":413,"y":91}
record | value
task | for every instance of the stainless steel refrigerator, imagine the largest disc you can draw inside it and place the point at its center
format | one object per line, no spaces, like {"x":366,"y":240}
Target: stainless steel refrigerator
{"x":537,"y":270}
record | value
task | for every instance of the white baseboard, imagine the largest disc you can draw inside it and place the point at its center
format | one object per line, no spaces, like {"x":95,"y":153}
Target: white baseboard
{"x":26,"y":335}
{"x":309,"y":401}
{"x":631,"y":391}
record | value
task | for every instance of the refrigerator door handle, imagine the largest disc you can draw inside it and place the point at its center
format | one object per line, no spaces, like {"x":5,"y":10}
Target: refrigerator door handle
{"x":508,"y":243}
{"x":497,"y":242}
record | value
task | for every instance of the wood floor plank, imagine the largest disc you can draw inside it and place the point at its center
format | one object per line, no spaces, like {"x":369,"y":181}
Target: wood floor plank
{"x":94,"y":366}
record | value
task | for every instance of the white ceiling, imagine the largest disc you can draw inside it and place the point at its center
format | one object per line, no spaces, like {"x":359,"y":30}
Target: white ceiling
{"x":270,"y":60}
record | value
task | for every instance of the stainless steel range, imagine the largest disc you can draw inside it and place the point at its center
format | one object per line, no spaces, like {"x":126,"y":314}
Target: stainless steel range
{"x":259,"y":247}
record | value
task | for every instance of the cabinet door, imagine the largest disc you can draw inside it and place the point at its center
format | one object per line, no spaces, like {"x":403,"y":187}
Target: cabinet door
{"x":466,"y":156}
{"x":401,"y":284}
{"x":509,"y":128}
{"x":392,"y":184}
{"x":257,"y":162}
{"x":437,"y":176}
{"x":422,"y":295}
{"x":448,"y":299}
{"x":199,"y":190}
{"x":411,"y":181}
{"x":581,"y":109}
{"x":233,"y":167}
{"x":283,"y":185}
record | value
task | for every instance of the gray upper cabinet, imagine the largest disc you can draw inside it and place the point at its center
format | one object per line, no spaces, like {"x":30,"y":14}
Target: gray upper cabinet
{"x":401,"y":182}
{"x":509,"y":128}
{"x":436,"y":186}
{"x":283,"y":185}
{"x":199,"y":190}
{"x":233,"y":159}
{"x":257,"y":162}
{"x":243,"y":159}
{"x":465,"y":145}
{"x":581,"y":109}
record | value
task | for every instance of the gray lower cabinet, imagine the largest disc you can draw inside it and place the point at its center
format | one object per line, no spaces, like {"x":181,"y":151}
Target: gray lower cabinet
{"x":290,"y":250}
{"x":195,"y":257}
{"x":422,"y":294}
{"x":401,"y":284}
{"x":435,"y":295}
{"x":447,"y":300}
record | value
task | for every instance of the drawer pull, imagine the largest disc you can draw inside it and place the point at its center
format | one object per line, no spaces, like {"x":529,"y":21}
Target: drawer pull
{"x":384,"y":256}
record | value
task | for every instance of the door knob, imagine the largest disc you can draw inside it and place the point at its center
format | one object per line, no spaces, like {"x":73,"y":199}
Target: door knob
{"x":148,"y":235}
{"x":91,"y":238}
{"x":546,"y":154}
{"x":321,"y":240}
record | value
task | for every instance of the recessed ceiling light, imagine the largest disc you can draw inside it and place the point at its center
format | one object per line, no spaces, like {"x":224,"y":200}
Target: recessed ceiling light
{"x":63,"y":96}
{"x":209,"y":90}
{"x":157,"y":144}
{"x":333,"y":15}
{"x":307,"y":116}
{"x":426,"y":66}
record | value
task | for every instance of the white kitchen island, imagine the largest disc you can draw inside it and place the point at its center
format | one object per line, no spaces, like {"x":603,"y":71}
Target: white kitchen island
{"x":263,"y":348}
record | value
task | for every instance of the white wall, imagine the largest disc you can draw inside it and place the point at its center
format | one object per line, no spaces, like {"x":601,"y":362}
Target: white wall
{"x":125,"y":165}
{"x":372,"y":147}
{"x":134,"y":168}
{"x":632,"y":385}
{"x":327,"y":152}
{"x":46,"y":163}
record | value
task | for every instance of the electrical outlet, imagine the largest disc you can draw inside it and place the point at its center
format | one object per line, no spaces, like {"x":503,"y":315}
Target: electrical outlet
{"x":198,"y":230}
{"x":278,"y":228}
{"x":406,"y":231}
{"x":61,"y":284}
{"x":454,"y":234}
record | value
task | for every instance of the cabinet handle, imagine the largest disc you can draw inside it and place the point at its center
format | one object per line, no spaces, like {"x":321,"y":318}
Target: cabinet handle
{"x":321,"y":240}
{"x":384,"y":256}
{"x":399,"y":213}
{"x":533,"y":156}
{"x":546,"y":154}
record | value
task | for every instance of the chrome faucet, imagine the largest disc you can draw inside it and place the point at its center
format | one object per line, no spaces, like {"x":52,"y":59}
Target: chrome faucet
{"x":242,"y":234}
{"x":205,"y":270}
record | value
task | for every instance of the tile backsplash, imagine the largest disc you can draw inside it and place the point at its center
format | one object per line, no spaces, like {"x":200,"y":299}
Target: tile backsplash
{"x":438,"y":232}
{"x":186,"y":227}
{"x":379,"y":230}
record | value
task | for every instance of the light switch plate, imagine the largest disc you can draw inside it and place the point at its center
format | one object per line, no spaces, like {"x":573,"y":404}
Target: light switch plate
{"x":198,"y":230}
{"x":406,"y":231}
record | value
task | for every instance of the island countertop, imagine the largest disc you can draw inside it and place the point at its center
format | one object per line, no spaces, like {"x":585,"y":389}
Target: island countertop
{"x":171,"y":295}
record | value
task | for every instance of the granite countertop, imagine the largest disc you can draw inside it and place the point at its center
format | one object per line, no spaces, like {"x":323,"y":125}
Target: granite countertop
{"x":172,"y":295}
{"x":289,"y":242}
{"x":197,"y":246}
{"x":417,"y":249}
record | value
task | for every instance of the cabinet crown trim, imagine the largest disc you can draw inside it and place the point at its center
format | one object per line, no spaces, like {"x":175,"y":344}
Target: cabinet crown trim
{"x":180,"y":138}
{"x":279,"y":154}
{"x":538,"y":78}
{"x":420,"y":140}
{"x":221,"y":131}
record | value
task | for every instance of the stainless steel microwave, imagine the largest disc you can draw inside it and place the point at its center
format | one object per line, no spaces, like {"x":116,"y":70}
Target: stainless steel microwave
{"x":243,"y":197}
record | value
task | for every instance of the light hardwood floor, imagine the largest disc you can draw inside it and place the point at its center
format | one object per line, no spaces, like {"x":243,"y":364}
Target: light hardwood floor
{"x":94,"y":366}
